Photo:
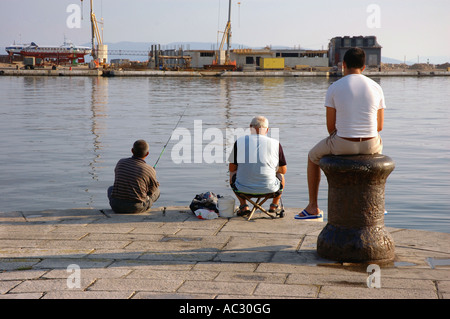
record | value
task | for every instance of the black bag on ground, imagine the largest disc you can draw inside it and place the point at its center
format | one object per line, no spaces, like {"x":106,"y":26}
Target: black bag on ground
{"x":206,"y":200}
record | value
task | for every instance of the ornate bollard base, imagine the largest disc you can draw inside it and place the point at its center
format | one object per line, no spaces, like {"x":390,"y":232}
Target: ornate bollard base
{"x":355,"y":231}
{"x":367,"y":244}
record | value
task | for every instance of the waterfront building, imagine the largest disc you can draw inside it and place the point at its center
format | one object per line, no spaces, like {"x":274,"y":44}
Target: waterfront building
{"x":250,"y":59}
{"x":253,"y":59}
{"x":298,"y":58}
{"x":339,"y":45}
{"x":199,"y":58}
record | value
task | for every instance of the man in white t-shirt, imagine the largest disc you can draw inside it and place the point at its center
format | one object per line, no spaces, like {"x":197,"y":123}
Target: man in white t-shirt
{"x":354,"y":116}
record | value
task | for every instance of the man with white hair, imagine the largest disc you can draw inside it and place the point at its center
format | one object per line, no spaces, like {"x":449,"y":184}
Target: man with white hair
{"x":257,"y":165}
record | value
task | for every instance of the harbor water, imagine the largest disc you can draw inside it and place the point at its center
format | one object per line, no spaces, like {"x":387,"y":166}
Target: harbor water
{"x":61,"y":137}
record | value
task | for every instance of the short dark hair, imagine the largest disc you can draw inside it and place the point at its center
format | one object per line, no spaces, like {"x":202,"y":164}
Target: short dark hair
{"x":140,"y":148}
{"x":355,"y":58}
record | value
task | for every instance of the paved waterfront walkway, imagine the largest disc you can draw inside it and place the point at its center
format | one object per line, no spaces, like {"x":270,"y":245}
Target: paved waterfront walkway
{"x":172,"y":254}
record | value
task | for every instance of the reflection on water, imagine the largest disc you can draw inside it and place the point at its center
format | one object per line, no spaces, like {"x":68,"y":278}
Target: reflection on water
{"x":62,"y":136}
{"x":99,"y":109}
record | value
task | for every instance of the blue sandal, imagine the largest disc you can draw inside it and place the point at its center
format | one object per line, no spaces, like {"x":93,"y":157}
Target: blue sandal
{"x":307,"y":215}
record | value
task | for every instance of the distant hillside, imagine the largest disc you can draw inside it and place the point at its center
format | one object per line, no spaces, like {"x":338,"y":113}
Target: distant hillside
{"x":390,"y":60}
{"x":425,"y":59}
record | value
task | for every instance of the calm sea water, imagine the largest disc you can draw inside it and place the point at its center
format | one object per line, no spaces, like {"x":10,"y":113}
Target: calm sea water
{"x":61,"y":137}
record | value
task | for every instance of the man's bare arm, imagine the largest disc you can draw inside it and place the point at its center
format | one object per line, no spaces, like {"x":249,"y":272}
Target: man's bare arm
{"x":380,"y":120}
{"x":331,"y":119}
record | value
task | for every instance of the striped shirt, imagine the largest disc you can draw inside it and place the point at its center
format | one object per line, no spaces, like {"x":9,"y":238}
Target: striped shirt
{"x":134,"y":180}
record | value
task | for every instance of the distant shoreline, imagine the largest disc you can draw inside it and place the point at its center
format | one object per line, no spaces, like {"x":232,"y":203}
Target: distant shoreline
{"x":204,"y":73}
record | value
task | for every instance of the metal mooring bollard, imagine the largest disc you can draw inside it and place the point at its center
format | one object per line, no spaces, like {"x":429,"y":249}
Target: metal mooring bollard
{"x":355,"y":230}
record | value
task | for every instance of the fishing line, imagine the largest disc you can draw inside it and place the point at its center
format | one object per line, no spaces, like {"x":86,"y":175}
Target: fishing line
{"x":170,"y":137}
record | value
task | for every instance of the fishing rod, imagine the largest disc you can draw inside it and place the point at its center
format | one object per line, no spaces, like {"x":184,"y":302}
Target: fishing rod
{"x":170,"y":137}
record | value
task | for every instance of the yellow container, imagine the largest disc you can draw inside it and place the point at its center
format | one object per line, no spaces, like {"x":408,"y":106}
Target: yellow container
{"x":272,"y":63}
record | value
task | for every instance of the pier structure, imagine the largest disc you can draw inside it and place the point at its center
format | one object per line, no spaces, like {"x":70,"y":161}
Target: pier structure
{"x":170,"y":253}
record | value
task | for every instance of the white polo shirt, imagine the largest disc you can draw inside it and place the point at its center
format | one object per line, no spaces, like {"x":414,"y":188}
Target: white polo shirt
{"x":357,"y":100}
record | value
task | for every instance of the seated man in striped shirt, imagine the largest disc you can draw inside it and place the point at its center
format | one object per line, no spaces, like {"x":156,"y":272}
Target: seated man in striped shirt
{"x":135,"y":186}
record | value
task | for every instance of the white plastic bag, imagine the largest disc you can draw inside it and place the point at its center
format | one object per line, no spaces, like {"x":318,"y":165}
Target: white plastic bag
{"x":203,"y":213}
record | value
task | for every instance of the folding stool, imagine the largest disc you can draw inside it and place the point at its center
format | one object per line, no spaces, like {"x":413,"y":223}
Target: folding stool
{"x":258,"y":200}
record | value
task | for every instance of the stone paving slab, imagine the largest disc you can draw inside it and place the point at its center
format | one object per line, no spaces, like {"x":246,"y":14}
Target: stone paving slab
{"x":170,"y":254}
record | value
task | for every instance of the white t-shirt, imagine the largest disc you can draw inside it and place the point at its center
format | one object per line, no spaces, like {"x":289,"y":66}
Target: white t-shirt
{"x":357,"y":100}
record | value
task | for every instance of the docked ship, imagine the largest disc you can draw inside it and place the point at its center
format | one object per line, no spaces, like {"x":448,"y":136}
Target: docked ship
{"x":66,"y":53}
{"x":14,"y":49}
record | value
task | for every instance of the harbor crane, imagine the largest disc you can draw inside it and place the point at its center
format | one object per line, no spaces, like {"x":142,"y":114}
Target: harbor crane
{"x":99,"y":51}
{"x":222,"y":59}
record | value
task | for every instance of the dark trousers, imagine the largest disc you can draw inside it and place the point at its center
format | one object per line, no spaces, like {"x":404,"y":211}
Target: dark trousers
{"x":122,"y":206}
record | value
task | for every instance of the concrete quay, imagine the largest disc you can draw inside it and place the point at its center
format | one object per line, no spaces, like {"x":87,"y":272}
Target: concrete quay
{"x":169,"y":253}
{"x":48,"y":72}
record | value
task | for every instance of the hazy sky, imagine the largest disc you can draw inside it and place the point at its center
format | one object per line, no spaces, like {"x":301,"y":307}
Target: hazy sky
{"x":411,"y":28}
